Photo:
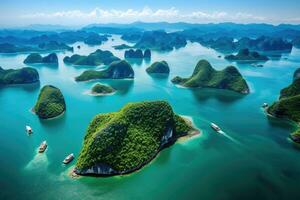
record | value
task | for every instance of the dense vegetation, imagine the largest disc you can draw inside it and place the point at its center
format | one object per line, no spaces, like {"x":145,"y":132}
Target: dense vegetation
{"x":18,"y":76}
{"x":50,"y":103}
{"x":205,"y":75}
{"x":95,"y":39}
{"x":246,"y":55}
{"x":138,"y":53}
{"x":160,"y":40}
{"x":159,"y":67}
{"x":288,"y":105}
{"x":132,"y":37}
{"x":128,"y":139}
{"x":259,"y":44}
{"x":54,"y":46}
{"x":116,"y":70}
{"x":96,"y":58}
{"x":102,"y":89}
{"x":37,"y":58}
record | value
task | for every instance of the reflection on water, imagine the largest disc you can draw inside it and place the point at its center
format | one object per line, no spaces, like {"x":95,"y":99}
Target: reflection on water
{"x":204,"y":94}
{"x":30,"y":87}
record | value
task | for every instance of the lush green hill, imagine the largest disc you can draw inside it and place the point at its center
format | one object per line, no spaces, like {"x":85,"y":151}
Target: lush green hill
{"x":50,"y":103}
{"x":288,"y":106}
{"x":18,"y":76}
{"x":102,"y":89}
{"x":159,"y":67}
{"x":37,"y":58}
{"x":96,"y":58}
{"x":124,"y":141}
{"x":116,"y":70}
{"x":205,"y":75}
{"x":246,"y":55}
{"x":160,"y":40}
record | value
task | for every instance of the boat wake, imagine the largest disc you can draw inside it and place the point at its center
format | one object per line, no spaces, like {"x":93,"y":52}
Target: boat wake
{"x":39,"y":161}
{"x":229,"y":137}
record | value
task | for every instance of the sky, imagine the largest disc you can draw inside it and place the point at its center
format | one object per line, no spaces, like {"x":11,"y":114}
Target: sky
{"x":83,"y":12}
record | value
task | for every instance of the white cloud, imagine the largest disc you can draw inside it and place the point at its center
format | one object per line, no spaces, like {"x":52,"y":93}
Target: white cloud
{"x":145,"y":14}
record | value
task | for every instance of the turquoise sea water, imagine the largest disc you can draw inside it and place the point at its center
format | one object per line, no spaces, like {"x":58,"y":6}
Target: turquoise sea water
{"x":253,"y":159}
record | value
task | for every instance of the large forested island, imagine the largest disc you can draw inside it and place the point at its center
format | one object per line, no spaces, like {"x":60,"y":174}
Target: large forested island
{"x":205,"y":75}
{"x":50,"y":103}
{"x":246,"y":55}
{"x":161,"y":67}
{"x":124,"y":141}
{"x":37,"y":58}
{"x":18,"y":76}
{"x":116,"y":70}
{"x":98,"y":57}
{"x":288,"y":106}
{"x":95,"y":39}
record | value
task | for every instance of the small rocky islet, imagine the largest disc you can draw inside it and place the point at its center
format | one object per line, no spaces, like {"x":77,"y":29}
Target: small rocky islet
{"x":246,"y":55}
{"x":100,"y":89}
{"x":161,"y":67}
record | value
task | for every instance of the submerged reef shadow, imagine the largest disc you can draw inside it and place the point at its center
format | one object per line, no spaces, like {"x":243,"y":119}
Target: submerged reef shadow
{"x":226,"y":96}
{"x":122,"y":87}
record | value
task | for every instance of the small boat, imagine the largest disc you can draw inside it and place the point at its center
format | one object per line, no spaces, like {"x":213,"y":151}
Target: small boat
{"x":68,"y":159}
{"x":265,"y":105}
{"x":215,"y":127}
{"x":43,"y":147}
{"x":28,"y":129}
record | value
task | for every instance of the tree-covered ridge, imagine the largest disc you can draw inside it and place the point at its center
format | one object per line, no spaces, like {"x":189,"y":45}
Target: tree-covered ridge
{"x":116,"y":70}
{"x":37,"y":58}
{"x":95,"y":39}
{"x":161,"y":67}
{"x":160,"y":40}
{"x":50,"y":103}
{"x":18,"y":76}
{"x":259,"y":44}
{"x":124,"y":141}
{"x":98,"y":57}
{"x":288,"y":105}
{"x":102,"y":89}
{"x":246,"y":55}
{"x":205,"y":75}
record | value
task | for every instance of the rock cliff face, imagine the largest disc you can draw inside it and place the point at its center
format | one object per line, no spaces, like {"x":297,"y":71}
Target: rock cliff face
{"x":205,"y":75}
{"x":124,"y":141}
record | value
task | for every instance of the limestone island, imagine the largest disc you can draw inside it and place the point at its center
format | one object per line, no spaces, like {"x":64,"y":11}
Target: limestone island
{"x":122,"y":142}
{"x":288,"y":106}
{"x":54,"y":46}
{"x":246,"y":55}
{"x":161,"y":67}
{"x":37,"y":58}
{"x":18,"y":76}
{"x":122,"y":46}
{"x":95,"y":39}
{"x":205,"y":75}
{"x":100,"y":89}
{"x":50,"y":103}
{"x":96,"y":58}
{"x":138,"y":53}
{"x":116,"y":70}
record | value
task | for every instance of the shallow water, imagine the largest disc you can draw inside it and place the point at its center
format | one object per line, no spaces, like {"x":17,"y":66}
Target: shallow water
{"x":252,"y":160}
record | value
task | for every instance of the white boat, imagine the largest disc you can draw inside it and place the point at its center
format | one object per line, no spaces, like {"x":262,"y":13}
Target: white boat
{"x":68,"y":159}
{"x":215,"y":127}
{"x":28,"y":129}
{"x":43,"y":147}
{"x":265,"y":105}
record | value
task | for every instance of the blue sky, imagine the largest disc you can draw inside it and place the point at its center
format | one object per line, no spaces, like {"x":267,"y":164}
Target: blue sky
{"x":80,"y":12}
